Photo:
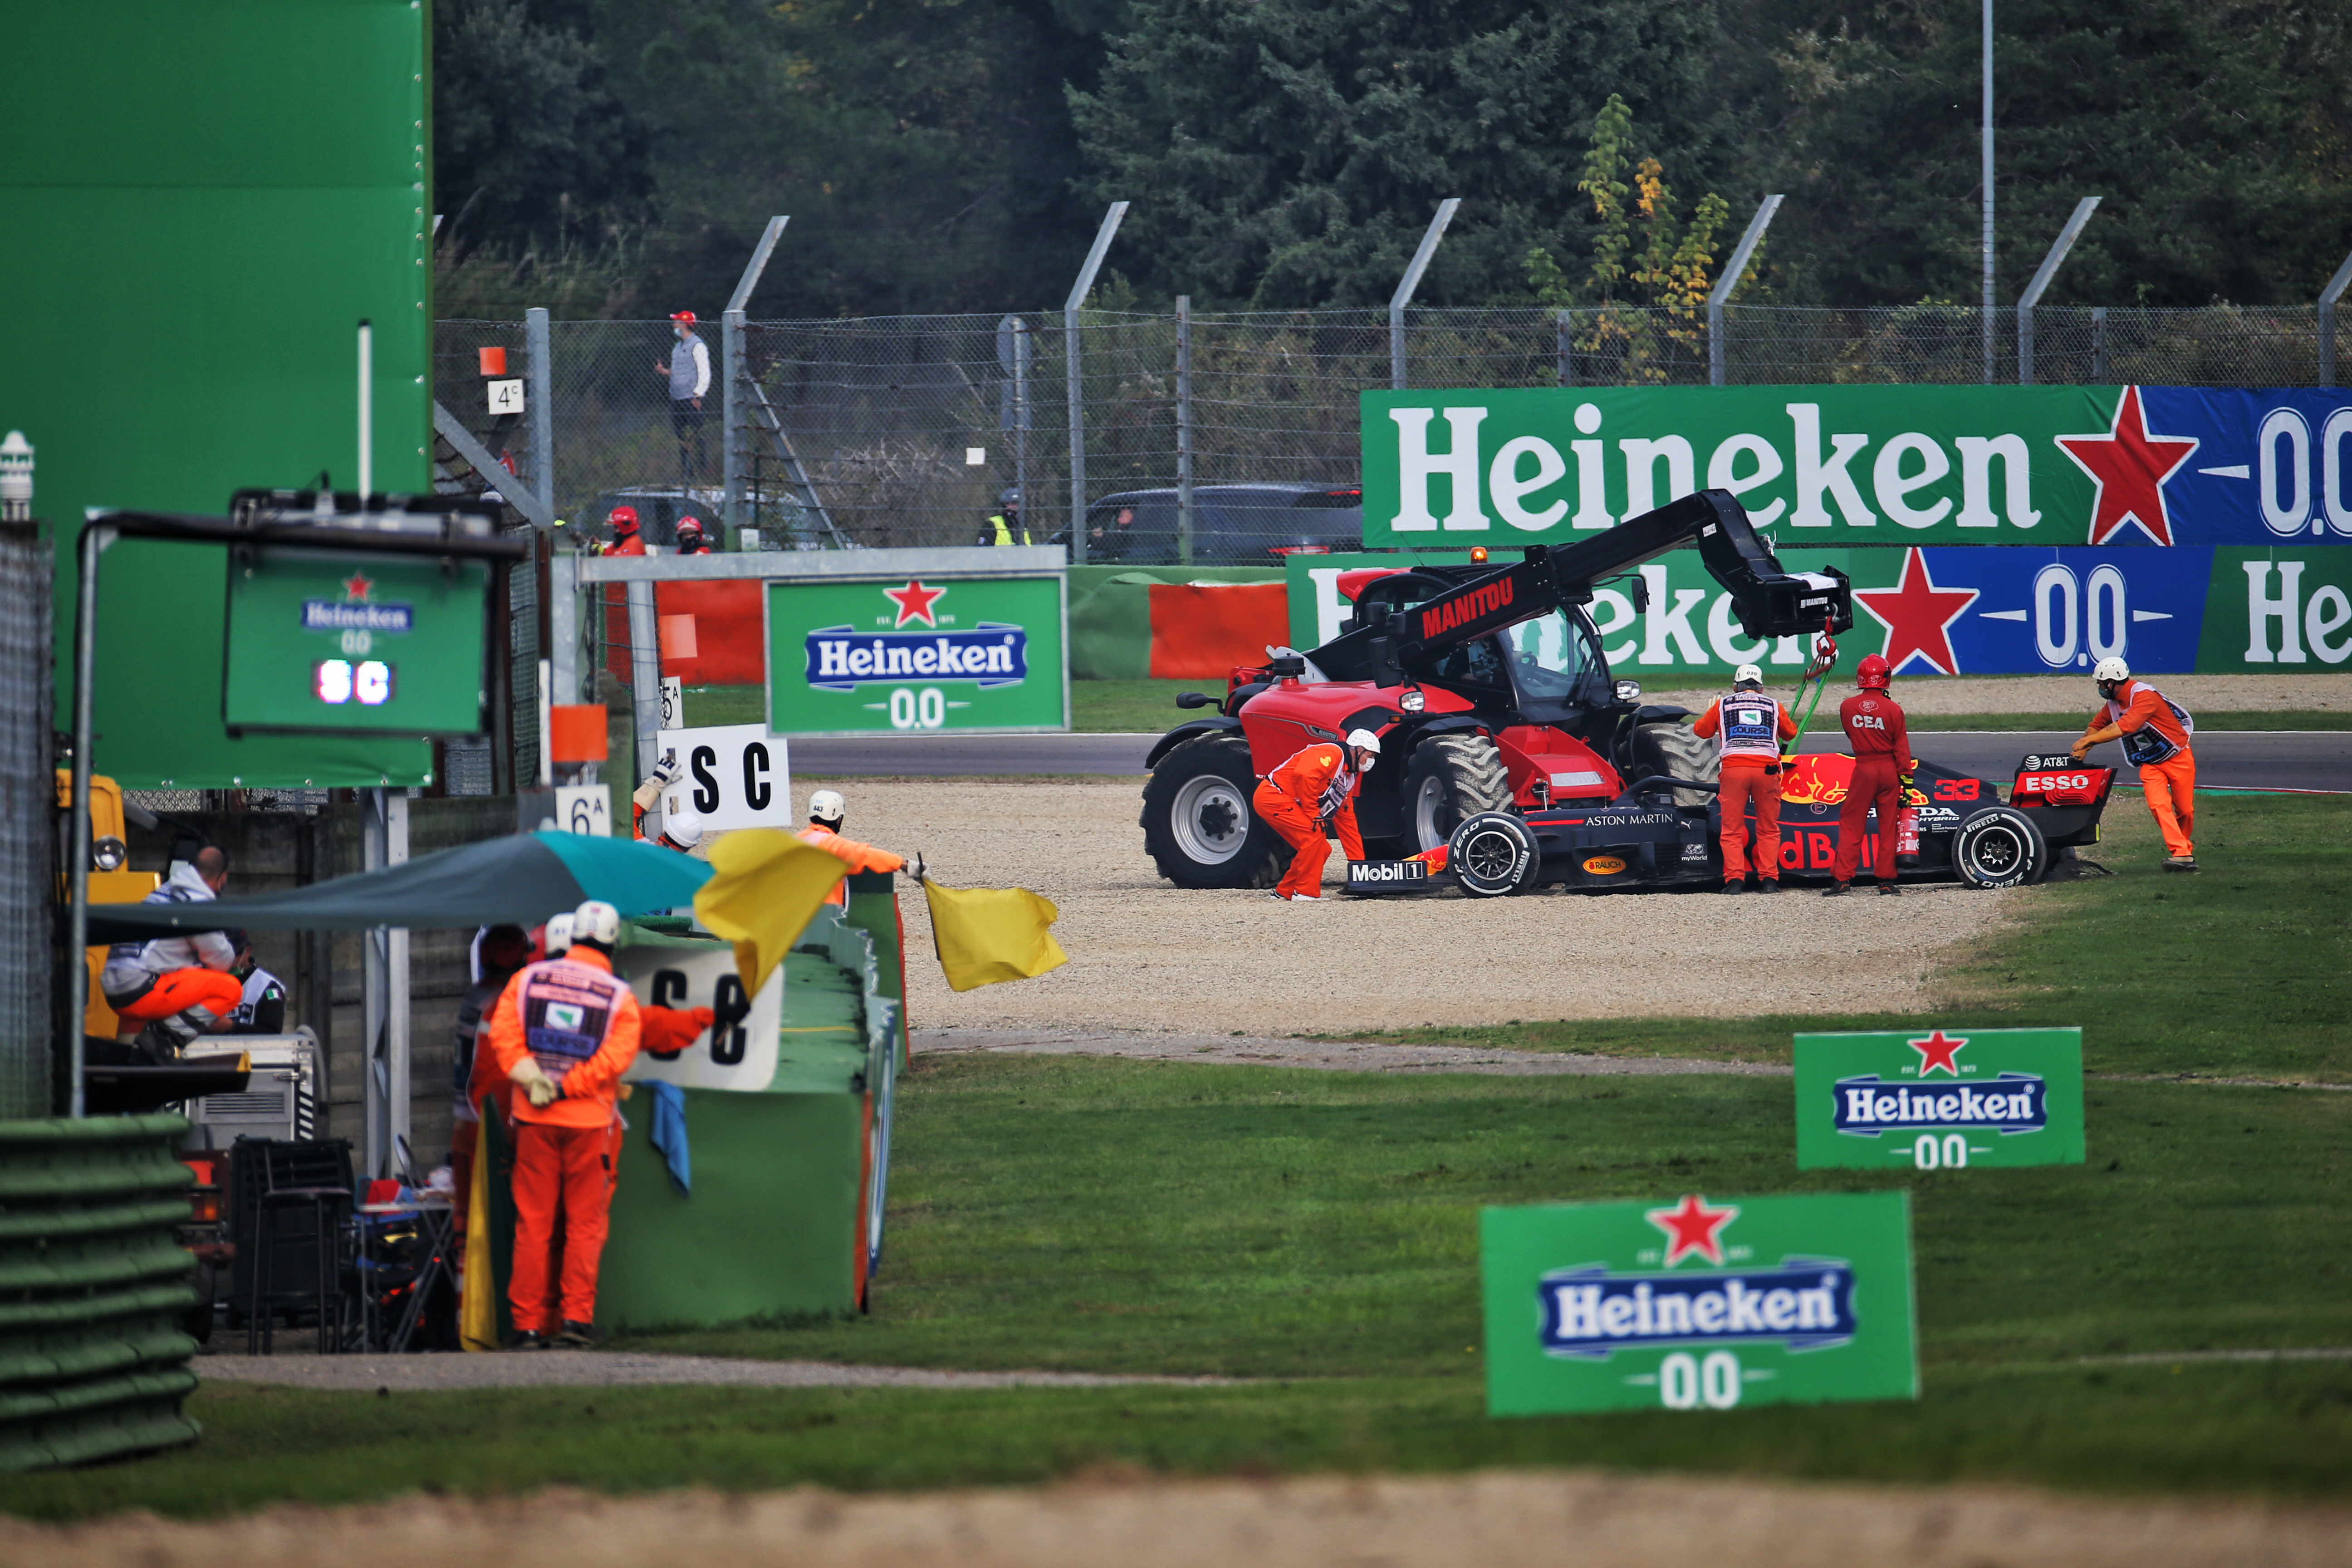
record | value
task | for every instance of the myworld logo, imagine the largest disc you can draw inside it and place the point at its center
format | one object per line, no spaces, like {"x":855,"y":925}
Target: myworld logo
{"x":843,"y":658}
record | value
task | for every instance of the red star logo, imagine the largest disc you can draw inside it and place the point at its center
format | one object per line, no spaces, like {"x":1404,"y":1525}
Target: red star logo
{"x":1936,"y":1051}
{"x":1919,"y":615}
{"x":914,"y":602}
{"x":357,"y":587}
{"x":1692,"y":1227}
{"x":2128,"y":466}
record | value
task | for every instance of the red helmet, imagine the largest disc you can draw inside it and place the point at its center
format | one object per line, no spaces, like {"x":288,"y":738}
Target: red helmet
{"x":690,"y":524}
{"x":1873,"y":675}
{"x":623,"y":518}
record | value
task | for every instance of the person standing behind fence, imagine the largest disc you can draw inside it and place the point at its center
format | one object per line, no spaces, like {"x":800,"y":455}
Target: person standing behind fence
{"x":689,"y":374}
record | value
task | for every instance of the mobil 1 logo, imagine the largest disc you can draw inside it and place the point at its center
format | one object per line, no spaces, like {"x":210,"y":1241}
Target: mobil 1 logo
{"x":1933,"y":1099}
{"x":1697,"y":1303}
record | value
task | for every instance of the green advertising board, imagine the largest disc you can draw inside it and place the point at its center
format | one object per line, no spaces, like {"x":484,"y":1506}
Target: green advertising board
{"x":338,"y":642}
{"x":906,"y":656}
{"x":1924,"y":1100}
{"x":204,"y":202}
{"x":1698,"y":1303}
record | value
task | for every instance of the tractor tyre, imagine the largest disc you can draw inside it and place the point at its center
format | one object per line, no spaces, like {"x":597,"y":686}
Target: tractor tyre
{"x":1669,"y":749}
{"x":2000,"y":847}
{"x":1451,"y":779}
{"x":1198,"y":826}
{"x":1494,"y":855}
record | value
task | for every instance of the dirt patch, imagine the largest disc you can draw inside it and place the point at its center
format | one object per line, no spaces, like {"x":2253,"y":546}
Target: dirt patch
{"x":1490,"y":1520}
{"x":1325,"y":1055}
{"x":1147,"y":955}
{"x":1938,"y":696}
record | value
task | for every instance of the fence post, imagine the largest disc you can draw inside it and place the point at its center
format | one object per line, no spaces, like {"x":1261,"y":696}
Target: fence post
{"x":1184,"y":429}
{"x":1411,"y":281}
{"x":1563,"y":347}
{"x":537,"y":352}
{"x":734,"y":450}
{"x":2098,"y":345}
{"x":1733,"y":270}
{"x":2328,"y":297}
{"x":1984,"y":163}
{"x":2041,"y":276}
{"x":734,"y":454}
{"x":1078,"y":292}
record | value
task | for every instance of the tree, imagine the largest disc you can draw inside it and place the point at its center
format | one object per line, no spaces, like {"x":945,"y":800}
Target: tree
{"x":530,"y":146}
{"x":1290,"y":153}
{"x":2219,"y":133}
{"x":1667,"y":286}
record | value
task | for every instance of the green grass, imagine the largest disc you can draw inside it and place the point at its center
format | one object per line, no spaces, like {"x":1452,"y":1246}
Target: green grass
{"x":2279,"y":1430}
{"x":2243,"y":970}
{"x":1317,"y":1232}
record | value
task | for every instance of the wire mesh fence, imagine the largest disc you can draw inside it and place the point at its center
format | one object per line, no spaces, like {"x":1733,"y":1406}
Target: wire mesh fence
{"x":918,"y":430}
{"x":27,"y":815}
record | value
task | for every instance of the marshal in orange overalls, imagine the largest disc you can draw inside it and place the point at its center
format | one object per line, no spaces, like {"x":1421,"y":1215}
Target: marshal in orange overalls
{"x":1750,"y":743}
{"x":2155,"y":738}
{"x":581,"y":1024}
{"x":859,"y":857}
{"x":1312,"y":787}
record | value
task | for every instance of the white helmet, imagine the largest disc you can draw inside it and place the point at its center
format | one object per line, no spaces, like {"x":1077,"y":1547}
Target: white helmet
{"x":1364,"y":739}
{"x":2111,"y":668}
{"x":1747,"y":674}
{"x":682,"y":827}
{"x":596,"y":922}
{"x":826,"y":806}
{"x":558,"y":939}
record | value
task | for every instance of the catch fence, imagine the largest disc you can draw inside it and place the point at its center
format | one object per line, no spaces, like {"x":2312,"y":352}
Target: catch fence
{"x":910,"y":430}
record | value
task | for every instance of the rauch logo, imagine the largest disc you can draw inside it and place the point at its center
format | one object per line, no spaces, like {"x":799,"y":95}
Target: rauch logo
{"x":842,"y":658}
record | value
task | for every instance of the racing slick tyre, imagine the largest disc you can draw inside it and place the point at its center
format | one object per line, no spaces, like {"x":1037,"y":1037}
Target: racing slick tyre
{"x":1450,"y":779}
{"x":1999,"y":849}
{"x":1493,"y":854}
{"x":1670,"y":749}
{"x":1198,"y":826}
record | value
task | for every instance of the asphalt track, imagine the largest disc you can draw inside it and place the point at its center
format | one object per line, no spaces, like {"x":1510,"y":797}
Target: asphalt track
{"x":2276,"y":759}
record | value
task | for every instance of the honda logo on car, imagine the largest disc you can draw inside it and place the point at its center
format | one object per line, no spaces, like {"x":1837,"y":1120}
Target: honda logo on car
{"x":842,"y":658}
{"x":1604,"y":865}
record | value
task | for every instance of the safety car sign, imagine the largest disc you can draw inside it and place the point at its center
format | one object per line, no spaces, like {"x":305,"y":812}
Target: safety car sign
{"x":1699,"y":1302}
{"x":1937,"y":1099}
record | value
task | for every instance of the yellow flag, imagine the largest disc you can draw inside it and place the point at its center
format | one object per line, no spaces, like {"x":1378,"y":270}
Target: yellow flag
{"x":478,"y":1307}
{"x":983,"y":935}
{"x":766,"y":886}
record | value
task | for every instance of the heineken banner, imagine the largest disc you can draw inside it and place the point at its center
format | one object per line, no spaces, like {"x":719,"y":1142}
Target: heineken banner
{"x":1930,"y":1101}
{"x":1944,"y":610}
{"x":851,"y":657}
{"x":1864,"y":464}
{"x":1698,"y":1303}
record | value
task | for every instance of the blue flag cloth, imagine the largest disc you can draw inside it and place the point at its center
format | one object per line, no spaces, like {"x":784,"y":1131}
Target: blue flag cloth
{"x":669,"y":1134}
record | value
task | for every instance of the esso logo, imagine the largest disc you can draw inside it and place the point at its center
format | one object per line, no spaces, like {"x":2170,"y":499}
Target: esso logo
{"x":2049,"y":783}
{"x":1604,"y":865}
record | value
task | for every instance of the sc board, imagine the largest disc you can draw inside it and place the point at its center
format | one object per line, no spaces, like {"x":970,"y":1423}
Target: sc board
{"x":733,"y":775}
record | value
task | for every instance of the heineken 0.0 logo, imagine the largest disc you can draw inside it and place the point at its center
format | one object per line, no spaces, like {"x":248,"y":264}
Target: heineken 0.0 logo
{"x":1937,"y":1099}
{"x":1699,"y":1303}
{"x":914,"y":655}
{"x":1841,"y":465}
